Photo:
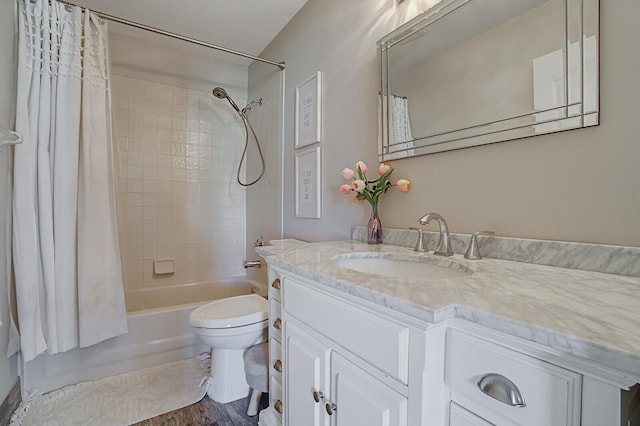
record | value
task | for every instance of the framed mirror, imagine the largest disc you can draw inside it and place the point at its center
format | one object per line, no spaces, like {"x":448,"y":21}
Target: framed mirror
{"x":474,"y":72}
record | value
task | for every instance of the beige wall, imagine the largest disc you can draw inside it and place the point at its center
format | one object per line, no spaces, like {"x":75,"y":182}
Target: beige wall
{"x":580,"y":185}
{"x":8,"y":367}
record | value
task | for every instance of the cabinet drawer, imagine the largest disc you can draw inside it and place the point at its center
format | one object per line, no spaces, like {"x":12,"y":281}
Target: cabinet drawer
{"x":275,"y":288}
{"x":275,"y":319}
{"x":379,"y":341}
{"x":275,"y":358}
{"x":275,"y":396}
{"x":551,"y":393}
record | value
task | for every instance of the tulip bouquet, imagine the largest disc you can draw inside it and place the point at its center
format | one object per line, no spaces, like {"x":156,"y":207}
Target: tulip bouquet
{"x":371,"y":190}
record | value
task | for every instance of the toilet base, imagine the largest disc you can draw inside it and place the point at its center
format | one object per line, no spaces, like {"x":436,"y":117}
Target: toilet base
{"x":228,"y":381}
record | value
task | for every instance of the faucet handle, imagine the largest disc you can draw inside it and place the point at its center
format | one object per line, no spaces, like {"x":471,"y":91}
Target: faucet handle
{"x":473,"y":250}
{"x":420,"y":245}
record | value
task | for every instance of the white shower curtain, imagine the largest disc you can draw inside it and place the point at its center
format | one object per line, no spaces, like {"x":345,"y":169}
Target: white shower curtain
{"x":66,"y":259}
{"x":399,"y":120}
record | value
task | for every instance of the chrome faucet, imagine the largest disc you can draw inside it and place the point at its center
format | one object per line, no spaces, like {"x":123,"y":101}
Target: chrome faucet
{"x":444,"y":244}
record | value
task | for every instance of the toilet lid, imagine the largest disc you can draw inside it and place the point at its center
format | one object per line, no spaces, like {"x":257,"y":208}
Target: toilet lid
{"x":230,"y":312}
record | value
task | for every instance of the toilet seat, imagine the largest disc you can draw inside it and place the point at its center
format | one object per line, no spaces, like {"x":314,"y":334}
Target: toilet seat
{"x":231,"y":312}
{"x":230,"y":331}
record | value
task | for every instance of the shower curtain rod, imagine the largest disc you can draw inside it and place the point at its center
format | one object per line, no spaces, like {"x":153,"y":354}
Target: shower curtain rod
{"x":112,"y":18}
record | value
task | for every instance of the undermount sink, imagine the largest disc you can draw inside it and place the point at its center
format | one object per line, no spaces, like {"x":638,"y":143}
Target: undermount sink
{"x":391,"y":265}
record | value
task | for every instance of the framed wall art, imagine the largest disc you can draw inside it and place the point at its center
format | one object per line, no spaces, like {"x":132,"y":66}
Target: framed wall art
{"x":307,"y":176}
{"x":308,"y":122}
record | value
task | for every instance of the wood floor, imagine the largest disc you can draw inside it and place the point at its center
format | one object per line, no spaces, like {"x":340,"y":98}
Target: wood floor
{"x":206,"y":412}
{"x":10,"y":404}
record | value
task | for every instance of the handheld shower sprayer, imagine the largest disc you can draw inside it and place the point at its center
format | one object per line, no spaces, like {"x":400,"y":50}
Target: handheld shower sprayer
{"x":220,"y":93}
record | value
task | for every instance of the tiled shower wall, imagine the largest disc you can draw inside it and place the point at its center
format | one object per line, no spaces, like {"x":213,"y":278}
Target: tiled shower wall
{"x":176,"y":159}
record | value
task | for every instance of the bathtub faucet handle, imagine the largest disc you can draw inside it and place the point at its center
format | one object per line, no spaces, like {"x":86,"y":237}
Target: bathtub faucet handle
{"x":259,"y":241}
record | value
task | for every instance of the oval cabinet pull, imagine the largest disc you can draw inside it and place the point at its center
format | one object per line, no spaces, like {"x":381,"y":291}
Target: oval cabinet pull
{"x":277,"y":323}
{"x":276,"y":284}
{"x":502,"y":389}
{"x":317,"y":395}
{"x":278,"y":366}
{"x":278,"y":406}
{"x":330,"y":407}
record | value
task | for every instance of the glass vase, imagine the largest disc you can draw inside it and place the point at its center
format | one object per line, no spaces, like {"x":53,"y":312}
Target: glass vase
{"x":374,"y":227}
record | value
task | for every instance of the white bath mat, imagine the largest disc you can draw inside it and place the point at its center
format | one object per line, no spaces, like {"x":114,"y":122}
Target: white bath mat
{"x":120,"y":400}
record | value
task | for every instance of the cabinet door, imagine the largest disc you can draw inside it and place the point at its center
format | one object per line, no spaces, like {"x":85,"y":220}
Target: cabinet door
{"x":306,"y":370}
{"x":360,"y":399}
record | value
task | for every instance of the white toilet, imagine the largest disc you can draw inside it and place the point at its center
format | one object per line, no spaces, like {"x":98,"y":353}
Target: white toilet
{"x":230,"y":326}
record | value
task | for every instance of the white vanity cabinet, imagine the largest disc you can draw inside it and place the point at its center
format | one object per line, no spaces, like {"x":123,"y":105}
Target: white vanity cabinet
{"x":340,"y":360}
{"x":345,"y":364}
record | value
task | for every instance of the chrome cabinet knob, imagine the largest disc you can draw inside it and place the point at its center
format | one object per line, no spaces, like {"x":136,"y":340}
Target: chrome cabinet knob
{"x":277,"y":324}
{"x":276,"y":284}
{"x":330,"y":407}
{"x":278,"y":366}
{"x":501,"y":389}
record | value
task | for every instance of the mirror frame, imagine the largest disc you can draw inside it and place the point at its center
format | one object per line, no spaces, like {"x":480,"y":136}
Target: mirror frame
{"x":569,"y":115}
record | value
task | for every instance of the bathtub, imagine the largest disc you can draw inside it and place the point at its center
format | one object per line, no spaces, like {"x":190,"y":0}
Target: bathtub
{"x":159,"y":332}
{"x":154,"y":299}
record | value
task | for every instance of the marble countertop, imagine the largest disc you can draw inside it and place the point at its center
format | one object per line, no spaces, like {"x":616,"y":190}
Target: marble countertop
{"x":590,"y":315}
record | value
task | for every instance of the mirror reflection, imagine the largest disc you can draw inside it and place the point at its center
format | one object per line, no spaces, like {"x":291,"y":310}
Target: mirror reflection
{"x":471,"y":72}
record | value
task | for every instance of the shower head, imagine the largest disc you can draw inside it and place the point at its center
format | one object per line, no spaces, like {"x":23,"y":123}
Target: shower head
{"x":220,"y":93}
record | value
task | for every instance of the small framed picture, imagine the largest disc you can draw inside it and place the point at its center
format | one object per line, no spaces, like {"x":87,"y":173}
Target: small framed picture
{"x":307,"y":175}
{"x":308,"y":112}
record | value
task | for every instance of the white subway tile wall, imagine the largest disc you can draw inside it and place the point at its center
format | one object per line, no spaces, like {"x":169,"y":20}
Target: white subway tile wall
{"x":176,"y":156}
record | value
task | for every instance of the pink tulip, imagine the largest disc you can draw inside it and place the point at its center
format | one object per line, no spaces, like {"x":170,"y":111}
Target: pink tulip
{"x":346,"y":189}
{"x":347,"y":173}
{"x":358,"y":185}
{"x":355,"y":198}
{"x":403,"y":185}
{"x":362,"y":165}
{"x":384,"y":168}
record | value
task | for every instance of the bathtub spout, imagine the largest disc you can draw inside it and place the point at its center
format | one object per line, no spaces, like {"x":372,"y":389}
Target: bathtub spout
{"x":252,"y":264}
